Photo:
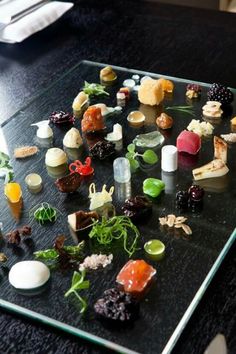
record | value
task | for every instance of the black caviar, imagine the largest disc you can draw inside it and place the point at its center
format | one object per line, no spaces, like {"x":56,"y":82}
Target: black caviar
{"x":102,"y":149}
{"x":117,"y":305}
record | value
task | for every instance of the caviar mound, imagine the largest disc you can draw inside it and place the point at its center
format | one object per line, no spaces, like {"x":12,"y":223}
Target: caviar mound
{"x":116,"y":305}
{"x":102,"y":149}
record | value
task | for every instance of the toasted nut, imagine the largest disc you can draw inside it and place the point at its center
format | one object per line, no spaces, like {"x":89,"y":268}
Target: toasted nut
{"x":170,"y":220}
{"x":178,"y":226}
{"x":180,"y":219}
{"x":163,"y":221}
{"x":187,"y":229}
{"x":3,"y":257}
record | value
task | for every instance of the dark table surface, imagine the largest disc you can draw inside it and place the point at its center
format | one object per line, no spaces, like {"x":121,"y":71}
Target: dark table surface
{"x":183,"y":42}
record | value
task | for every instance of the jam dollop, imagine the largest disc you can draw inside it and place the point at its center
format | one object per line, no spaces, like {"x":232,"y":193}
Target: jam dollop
{"x":60,"y":117}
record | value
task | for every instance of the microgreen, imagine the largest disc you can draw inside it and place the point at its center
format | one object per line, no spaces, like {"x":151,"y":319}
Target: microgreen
{"x":78,"y":283}
{"x":118,"y":227}
{"x":149,"y":156}
{"x":52,"y":254}
{"x":6,"y":170}
{"x":183,"y":109}
{"x":93,"y":89}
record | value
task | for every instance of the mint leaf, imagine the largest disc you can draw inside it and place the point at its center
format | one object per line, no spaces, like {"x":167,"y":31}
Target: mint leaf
{"x":131,"y":148}
{"x":150,"y":157}
{"x":134,"y":165}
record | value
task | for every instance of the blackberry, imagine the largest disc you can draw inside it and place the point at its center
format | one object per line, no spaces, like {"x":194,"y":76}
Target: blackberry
{"x":137,"y":206}
{"x":117,"y":305}
{"x":102,"y":149}
{"x":60,"y":117}
{"x":196,"y":193}
{"x":220,"y":93}
{"x":182,"y":198}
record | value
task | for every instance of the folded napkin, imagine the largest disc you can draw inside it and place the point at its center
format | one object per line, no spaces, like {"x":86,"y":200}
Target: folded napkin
{"x":31,"y":23}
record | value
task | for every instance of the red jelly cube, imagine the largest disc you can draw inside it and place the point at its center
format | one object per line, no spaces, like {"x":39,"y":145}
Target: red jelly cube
{"x":188,"y":142}
{"x":136,"y":276}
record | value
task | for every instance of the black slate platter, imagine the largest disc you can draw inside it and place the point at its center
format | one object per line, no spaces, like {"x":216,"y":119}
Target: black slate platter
{"x":190,"y":262}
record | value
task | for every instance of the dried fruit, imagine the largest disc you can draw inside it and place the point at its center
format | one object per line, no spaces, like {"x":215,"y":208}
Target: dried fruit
{"x":14,"y":237}
{"x":164,"y":121}
{"x":60,"y":117}
{"x":69,"y":183}
{"x":92,"y":120}
{"x":117,"y":305}
{"x":25,"y":230}
{"x":137,"y":206}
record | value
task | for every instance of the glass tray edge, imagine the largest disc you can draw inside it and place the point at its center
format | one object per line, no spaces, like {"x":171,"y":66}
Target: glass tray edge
{"x":141,"y":72}
{"x":6,"y":305}
{"x":198,"y":296}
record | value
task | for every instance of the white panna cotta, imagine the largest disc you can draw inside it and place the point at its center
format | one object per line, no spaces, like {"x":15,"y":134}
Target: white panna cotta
{"x":28,"y":275}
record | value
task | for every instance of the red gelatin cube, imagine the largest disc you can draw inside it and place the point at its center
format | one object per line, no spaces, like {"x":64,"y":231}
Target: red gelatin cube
{"x":135,"y":276}
{"x":188,"y":142}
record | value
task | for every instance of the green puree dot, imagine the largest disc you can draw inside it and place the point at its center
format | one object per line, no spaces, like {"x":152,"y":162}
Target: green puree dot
{"x":155,"y":249}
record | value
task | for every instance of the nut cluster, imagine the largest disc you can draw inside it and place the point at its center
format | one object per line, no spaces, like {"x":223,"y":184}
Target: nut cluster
{"x":176,"y":222}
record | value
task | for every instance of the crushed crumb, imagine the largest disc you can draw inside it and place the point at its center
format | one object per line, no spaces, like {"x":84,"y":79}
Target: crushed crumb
{"x":95,"y":261}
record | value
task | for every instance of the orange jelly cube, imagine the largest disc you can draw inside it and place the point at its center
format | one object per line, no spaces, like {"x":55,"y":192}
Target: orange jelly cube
{"x":12,"y":191}
{"x":136,"y":276}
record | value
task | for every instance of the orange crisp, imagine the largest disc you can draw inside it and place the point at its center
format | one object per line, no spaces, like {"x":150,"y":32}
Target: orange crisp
{"x":167,"y":85}
{"x":135,"y":276}
{"x":13,"y":192}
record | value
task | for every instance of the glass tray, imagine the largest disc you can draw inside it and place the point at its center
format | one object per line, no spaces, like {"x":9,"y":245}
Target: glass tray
{"x":189,"y":264}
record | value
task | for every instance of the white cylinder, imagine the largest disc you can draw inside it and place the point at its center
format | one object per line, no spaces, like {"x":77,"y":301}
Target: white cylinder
{"x":169,"y":158}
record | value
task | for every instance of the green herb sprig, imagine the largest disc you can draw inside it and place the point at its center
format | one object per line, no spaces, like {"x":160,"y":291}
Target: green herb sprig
{"x":78,"y":283}
{"x":118,"y":227}
{"x":149,"y":156}
{"x":183,"y":109}
{"x":6,"y":169}
{"x":93,"y":89}
{"x":51,"y":254}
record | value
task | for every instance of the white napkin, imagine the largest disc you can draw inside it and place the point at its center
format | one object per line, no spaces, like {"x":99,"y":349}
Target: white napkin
{"x":31,"y":23}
